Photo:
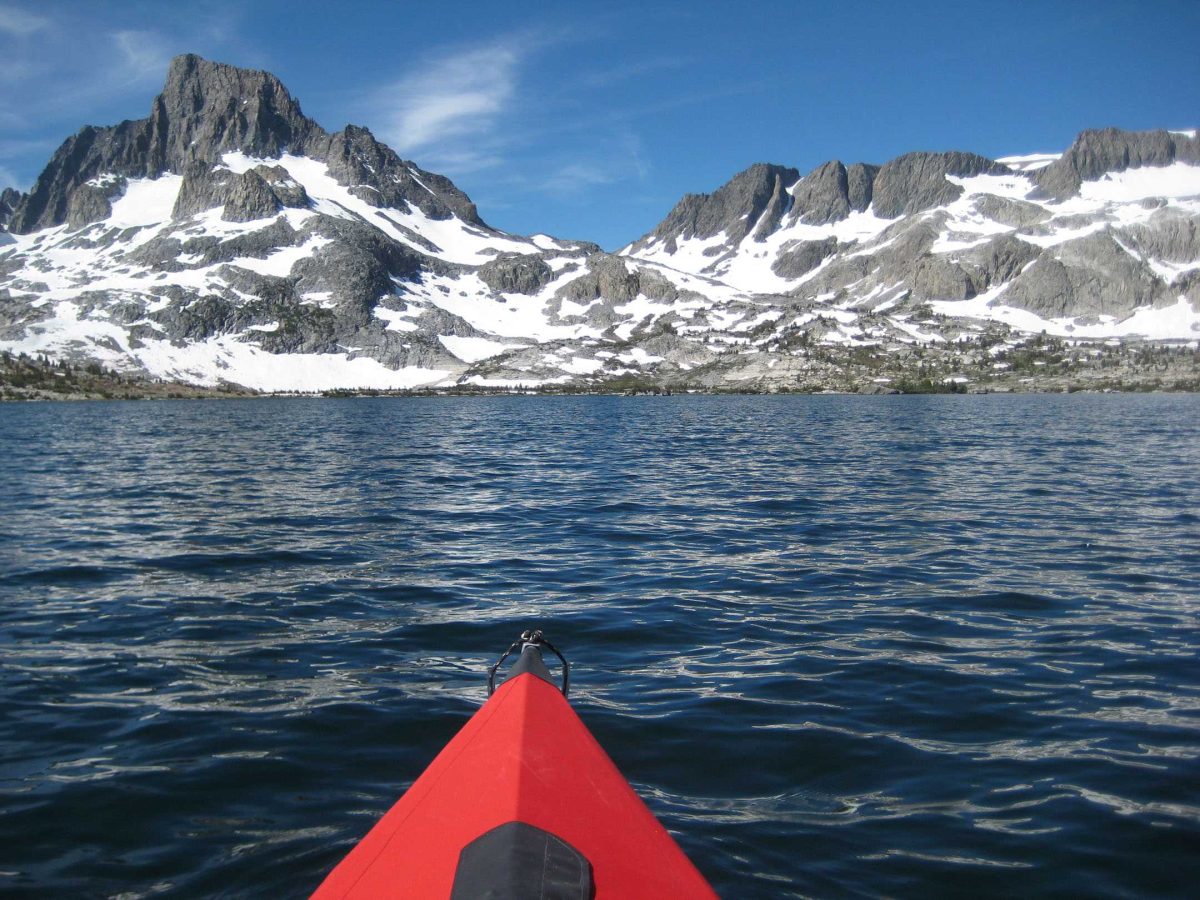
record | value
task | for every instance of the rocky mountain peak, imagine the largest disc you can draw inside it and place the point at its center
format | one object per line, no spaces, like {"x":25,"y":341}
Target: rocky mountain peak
{"x":917,"y":181}
{"x":205,"y":110}
{"x":380,"y":177}
{"x":208,"y":108}
{"x":735,"y":208}
{"x":9,"y":198}
{"x":1100,"y":150}
{"x":832,"y":191}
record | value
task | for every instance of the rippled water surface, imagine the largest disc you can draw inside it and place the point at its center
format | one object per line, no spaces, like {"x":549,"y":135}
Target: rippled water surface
{"x":898,"y":646}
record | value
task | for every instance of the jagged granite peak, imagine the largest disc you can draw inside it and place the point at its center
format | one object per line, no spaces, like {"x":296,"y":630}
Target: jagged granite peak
{"x":205,"y":110}
{"x":1098,"y":151}
{"x":9,"y":198}
{"x":832,"y":191}
{"x":734,"y":208}
{"x":917,"y":181}
{"x":355,"y":158}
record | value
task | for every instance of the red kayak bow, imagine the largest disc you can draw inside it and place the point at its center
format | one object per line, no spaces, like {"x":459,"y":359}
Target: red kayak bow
{"x":522,"y":803}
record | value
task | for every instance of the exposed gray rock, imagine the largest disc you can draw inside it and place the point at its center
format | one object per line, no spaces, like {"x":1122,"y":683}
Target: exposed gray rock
{"x":734,"y":208}
{"x":1188,"y":285}
{"x":831,"y":191}
{"x":803,"y":257}
{"x":1090,"y":276}
{"x":516,"y":273}
{"x":999,"y":260}
{"x":917,"y":181}
{"x":287,"y":191}
{"x":615,"y":283}
{"x":656,"y":286}
{"x":607,"y":278}
{"x":908,"y":239}
{"x":203,"y":187}
{"x":1007,"y":211}
{"x":1168,"y":236}
{"x":1102,"y":150}
{"x":823,"y":195}
{"x":860,"y":184}
{"x":936,"y":277}
{"x":254,"y":194}
{"x":359,"y":266}
{"x":90,"y":202}
{"x":356,"y":159}
{"x":249,"y":198}
{"x":208,"y":108}
{"x":9,"y":198}
{"x":841,"y":271}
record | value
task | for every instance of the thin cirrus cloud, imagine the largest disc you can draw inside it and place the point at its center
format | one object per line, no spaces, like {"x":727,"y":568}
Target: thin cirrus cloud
{"x":142,"y":58}
{"x":449,"y":111}
{"x":21,"y":23}
{"x":470,"y":109}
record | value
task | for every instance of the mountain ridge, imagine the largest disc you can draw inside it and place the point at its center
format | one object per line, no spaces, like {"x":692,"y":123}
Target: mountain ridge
{"x":228,"y":238}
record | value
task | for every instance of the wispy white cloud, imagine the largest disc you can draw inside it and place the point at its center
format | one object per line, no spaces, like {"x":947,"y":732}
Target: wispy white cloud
{"x":141,"y":57}
{"x":577,"y":177}
{"x":20,"y":22}
{"x":618,"y":161}
{"x":458,"y":96}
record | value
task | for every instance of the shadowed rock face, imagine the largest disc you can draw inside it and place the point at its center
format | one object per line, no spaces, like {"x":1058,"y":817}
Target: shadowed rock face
{"x":803,"y":257}
{"x":832,"y":191}
{"x":89,"y":202}
{"x":1090,"y":276}
{"x":735,"y":208}
{"x":1098,"y":151}
{"x":205,"y":110}
{"x":917,"y":181}
{"x":9,"y":198}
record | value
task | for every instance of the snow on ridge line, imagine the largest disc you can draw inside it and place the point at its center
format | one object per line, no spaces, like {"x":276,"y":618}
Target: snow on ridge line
{"x":1175,"y":181}
{"x":456,"y":241}
{"x":1029,"y":162}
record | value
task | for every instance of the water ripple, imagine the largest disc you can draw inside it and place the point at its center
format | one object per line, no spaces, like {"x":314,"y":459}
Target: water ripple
{"x":843,"y":646}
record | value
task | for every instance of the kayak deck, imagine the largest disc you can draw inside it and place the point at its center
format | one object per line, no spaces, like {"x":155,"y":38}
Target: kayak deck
{"x":524,"y":757}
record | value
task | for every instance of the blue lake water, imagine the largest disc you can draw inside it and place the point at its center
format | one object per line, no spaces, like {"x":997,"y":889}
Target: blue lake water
{"x":843,"y":646}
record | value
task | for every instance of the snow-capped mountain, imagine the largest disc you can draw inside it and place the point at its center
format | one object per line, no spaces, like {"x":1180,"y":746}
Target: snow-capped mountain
{"x":228,"y":238}
{"x":1100,"y":241}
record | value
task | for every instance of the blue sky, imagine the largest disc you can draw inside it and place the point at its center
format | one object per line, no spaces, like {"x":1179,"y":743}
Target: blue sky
{"x":591,"y":120}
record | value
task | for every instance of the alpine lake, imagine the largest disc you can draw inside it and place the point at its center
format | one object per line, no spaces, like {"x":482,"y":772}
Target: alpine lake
{"x":842,"y":646}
